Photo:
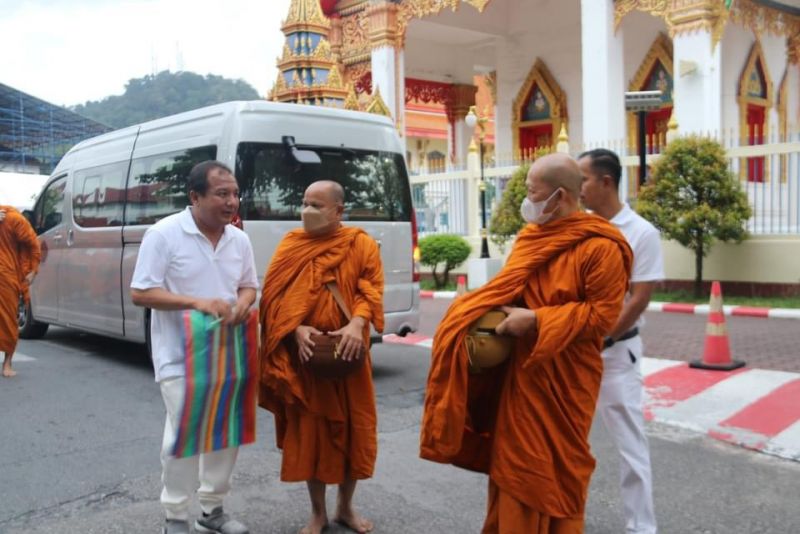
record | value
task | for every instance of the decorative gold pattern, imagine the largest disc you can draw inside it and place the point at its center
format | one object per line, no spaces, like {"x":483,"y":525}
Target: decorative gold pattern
{"x":355,"y":38}
{"x":657,"y":8}
{"x":377,"y":106}
{"x":793,"y":49}
{"x":491,"y":82}
{"x":306,"y":12}
{"x":754,"y":60}
{"x":418,"y":9}
{"x":762,"y":19}
{"x":540,"y":77}
{"x":480,"y":5}
{"x":382,"y":19}
{"x":680,"y":16}
{"x":783,"y":126}
{"x":351,"y":102}
{"x":660,"y":52}
{"x":309,"y":64}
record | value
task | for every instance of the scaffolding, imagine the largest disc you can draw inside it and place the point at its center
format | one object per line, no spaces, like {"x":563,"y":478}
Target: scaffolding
{"x":35,"y":133}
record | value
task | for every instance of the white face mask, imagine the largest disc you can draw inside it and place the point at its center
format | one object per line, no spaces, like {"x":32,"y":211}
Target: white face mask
{"x":533,"y":212}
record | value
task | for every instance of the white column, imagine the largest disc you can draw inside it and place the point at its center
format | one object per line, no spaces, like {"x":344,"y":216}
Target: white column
{"x":388,"y":76}
{"x":458,"y":149}
{"x":697,"y":95}
{"x":602,"y":73}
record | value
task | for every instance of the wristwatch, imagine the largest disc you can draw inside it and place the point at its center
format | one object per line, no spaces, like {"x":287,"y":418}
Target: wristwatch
{"x":608,"y":342}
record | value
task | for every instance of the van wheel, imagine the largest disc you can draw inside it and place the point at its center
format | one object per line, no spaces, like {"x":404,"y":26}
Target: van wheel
{"x":28,"y":328}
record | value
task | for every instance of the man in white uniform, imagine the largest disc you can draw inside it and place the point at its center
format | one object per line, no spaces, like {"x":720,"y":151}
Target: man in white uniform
{"x":620,"y":401}
{"x":194,"y":260}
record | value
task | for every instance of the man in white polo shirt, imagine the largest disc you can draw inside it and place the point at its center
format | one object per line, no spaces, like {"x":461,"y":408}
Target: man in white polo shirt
{"x":620,"y":401}
{"x":194,"y":260}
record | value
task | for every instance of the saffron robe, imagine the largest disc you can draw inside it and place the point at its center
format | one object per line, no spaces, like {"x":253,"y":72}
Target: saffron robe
{"x":19,"y":256}
{"x":526,"y":423}
{"x":507,"y":515}
{"x":326,"y":428}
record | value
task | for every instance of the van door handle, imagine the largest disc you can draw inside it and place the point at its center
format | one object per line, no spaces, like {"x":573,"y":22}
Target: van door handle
{"x":70,"y":237}
{"x":57,"y":237}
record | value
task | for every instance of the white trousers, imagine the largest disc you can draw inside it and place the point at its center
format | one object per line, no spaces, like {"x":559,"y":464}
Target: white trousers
{"x":620,"y":407}
{"x":181,"y":476}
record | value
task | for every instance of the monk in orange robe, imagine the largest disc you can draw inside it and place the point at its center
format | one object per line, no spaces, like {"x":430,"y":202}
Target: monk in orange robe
{"x":526,"y":422}
{"x":327,"y":428}
{"x":19,"y":261}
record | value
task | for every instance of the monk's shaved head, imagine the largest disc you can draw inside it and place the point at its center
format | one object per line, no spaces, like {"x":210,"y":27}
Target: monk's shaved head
{"x":332,"y":189}
{"x":558,"y":170}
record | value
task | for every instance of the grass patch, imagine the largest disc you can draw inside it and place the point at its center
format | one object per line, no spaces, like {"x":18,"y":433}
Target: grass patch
{"x":758,"y":302}
{"x":429,"y":285}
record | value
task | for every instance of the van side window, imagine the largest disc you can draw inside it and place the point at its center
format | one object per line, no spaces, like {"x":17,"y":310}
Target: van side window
{"x":98,"y":195}
{"x":271,"y":183}
{"x":50,"y":208}
{"x":158,"y":184}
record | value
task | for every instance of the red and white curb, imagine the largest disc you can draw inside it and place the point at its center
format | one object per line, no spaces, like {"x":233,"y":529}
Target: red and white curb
{"x":678,"y":307}
{"x":736,"y":311}
{"x":752,"y":408}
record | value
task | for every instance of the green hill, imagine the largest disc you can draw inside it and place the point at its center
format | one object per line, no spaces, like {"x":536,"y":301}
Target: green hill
{"x":163,"y":94}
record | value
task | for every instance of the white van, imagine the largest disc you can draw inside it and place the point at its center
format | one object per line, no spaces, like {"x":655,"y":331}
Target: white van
{"x":106,"y":191}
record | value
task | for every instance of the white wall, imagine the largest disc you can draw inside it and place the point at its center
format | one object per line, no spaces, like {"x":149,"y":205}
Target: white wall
{"x":549,"y":30}
{"x":640,"y":30}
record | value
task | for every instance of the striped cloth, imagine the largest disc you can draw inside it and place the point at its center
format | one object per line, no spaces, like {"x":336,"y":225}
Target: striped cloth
{"x":219,"y":409}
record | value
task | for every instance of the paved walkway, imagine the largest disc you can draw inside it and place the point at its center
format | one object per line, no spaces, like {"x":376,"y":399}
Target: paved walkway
{"x":755,"y":408}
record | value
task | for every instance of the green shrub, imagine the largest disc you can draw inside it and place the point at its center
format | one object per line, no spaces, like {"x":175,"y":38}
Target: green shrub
{"x":450,"y":250}
{"x":506,"y":219}
{"x":694,"y":199}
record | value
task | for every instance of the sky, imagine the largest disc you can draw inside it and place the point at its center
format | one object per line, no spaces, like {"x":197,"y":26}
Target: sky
{"x":70,"y":51}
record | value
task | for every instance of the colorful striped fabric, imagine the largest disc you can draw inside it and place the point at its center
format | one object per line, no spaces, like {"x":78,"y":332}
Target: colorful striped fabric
{"x":219,"y":409}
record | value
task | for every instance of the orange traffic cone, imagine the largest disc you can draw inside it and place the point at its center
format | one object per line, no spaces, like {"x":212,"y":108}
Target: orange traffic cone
{"x":461,"y":286}
{"x":717,"y":351}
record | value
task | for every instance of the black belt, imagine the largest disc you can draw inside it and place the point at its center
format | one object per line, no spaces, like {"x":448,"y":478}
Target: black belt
{"x":609,"y":342}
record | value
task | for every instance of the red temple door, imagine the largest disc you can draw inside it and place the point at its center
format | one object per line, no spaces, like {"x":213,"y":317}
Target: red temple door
{"x":656,"y":126}
{"x":755,"y":136}
{"x":532,"y":138}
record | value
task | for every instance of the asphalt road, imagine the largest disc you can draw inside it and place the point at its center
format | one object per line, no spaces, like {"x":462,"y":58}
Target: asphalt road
{"x":80,"y":430}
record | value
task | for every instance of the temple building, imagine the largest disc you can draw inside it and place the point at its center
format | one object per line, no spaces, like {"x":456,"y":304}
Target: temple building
{"x":726,"y":67}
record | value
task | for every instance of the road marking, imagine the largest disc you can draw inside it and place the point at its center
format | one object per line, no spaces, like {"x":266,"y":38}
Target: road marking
{"x":751,"y":408}
{"x":786,"y":444}
{"x":705,"y":409}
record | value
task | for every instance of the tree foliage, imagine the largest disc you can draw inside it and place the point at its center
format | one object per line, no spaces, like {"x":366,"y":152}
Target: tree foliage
{"x":163,"y":94}
{"x":506,"y":219}
{"x":694,"y":199}
{"x":450,"y":250}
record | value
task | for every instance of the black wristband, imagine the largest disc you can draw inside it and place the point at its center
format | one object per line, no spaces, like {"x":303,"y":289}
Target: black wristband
{"x":608,"y":342}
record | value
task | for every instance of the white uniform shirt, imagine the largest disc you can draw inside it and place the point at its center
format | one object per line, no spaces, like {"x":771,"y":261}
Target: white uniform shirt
{"x":177,"y":257}
{"x":645,"y":242}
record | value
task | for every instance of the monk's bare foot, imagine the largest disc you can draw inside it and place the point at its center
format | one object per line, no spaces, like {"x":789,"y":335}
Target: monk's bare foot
{"x":315,"y":525}
{"x":354,"y":521}
{"x":8,"y":372}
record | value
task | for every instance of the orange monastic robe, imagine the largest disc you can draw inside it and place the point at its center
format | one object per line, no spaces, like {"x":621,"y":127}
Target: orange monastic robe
{"x":19,"y":256}
{"x":326,"y":428}
{"x":526,"y":423}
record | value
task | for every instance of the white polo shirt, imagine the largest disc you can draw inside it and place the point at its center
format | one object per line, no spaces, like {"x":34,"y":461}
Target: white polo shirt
{"x":176,"y":256}
{"x":645,"y":241}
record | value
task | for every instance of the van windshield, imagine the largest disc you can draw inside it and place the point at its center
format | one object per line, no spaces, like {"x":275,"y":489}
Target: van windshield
{"x":272,"y":182}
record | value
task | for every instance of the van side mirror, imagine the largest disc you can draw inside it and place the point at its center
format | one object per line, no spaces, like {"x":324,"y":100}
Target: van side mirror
{"x":303,"y":157}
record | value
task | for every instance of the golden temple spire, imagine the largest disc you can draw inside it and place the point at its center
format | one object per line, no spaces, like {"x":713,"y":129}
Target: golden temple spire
{"x":306,"y":12}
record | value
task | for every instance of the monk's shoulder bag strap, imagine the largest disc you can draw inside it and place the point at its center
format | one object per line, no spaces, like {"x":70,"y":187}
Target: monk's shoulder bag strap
{"x":326,"y":362}
{"x":485,"y":347}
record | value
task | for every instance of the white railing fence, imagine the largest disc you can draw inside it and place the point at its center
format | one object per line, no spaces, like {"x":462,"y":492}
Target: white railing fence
{"x":448,"y":200}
